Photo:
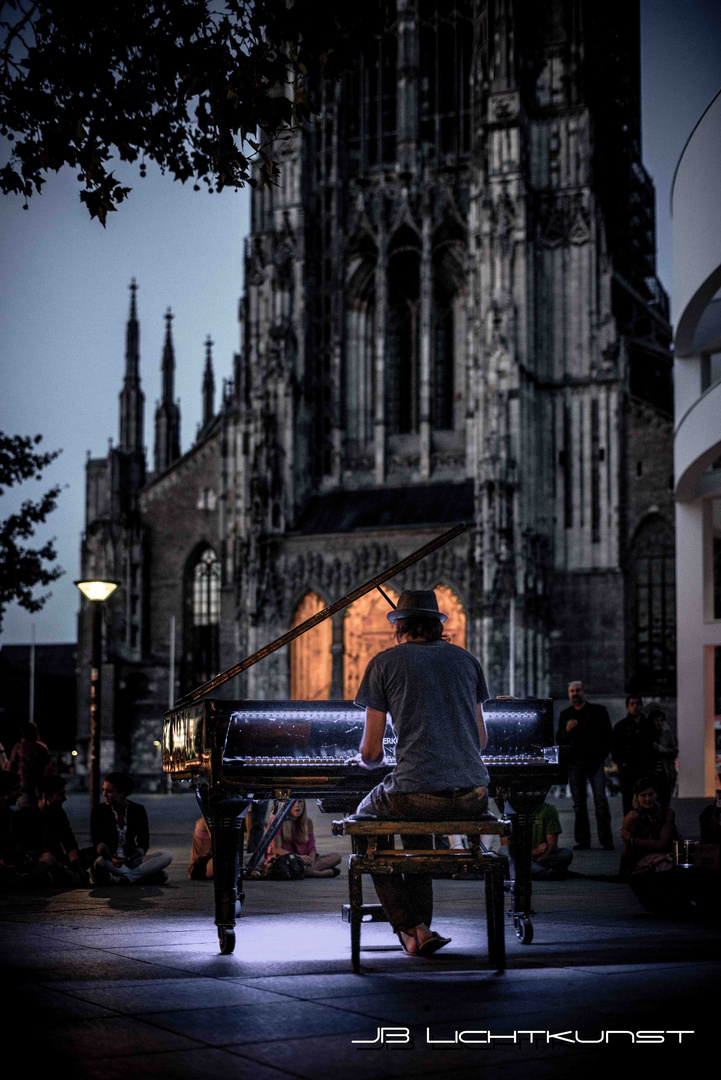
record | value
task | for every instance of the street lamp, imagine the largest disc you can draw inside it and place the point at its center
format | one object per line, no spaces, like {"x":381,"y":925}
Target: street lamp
{"x":96,"y":592}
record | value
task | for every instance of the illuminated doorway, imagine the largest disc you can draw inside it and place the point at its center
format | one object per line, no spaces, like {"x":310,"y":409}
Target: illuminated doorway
{"x":311,"y":661}
{"x":455,"y":625}
{"x":366,"y":631}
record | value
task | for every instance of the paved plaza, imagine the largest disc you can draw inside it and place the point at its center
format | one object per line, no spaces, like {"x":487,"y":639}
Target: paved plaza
{"x":112,"y":982}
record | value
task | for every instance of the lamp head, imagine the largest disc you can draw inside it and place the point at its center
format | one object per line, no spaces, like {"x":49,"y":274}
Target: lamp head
{"x":97,"y":590}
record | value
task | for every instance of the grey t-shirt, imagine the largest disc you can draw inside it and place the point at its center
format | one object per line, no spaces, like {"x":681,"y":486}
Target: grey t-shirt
{"x":431,"y":691}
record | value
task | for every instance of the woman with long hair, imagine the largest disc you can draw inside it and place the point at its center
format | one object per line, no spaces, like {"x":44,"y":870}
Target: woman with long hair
{"x":648,"y":831}
{"x":296,"y":837}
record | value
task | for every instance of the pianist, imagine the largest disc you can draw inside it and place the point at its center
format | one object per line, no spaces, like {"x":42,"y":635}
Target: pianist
{"x":433,"y":692}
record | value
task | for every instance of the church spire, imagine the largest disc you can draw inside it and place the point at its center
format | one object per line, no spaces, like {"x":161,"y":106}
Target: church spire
{"x":208,"y":384}
{"x":132,"y":398}
{"x":167,"y":414}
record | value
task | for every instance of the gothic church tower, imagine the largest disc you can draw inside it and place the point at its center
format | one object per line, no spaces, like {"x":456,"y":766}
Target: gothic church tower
{"x":451,"y":313}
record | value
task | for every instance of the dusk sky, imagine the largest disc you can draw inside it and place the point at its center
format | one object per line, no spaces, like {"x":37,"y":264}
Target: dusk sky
{"x":64,"y":292}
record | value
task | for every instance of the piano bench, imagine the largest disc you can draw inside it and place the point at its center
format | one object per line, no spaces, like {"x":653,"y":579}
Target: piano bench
{"x":475,"y":861}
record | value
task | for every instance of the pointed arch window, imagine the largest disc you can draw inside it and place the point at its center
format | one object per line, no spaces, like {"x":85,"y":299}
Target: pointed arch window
{"x":359,"y":381}
{"x":454,"y":627}
{"x":311,"y":660}
{"x":653,"y":596}
{"x":404,"y":271}
{"x":447,"y":327}
{"x":366,"y":631}
{"x":446,"y":35}
{"x":205,"y":616}
{"x":372,"y":102}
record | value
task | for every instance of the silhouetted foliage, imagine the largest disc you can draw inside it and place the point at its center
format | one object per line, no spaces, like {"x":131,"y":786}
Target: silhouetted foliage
{"x":23,"y":568}
{"x":185,"y":83}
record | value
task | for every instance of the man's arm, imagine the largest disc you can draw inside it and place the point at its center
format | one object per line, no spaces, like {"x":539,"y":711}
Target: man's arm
{"x":550,"y":845}
{"x":371,"y":747}
{"x":68,"y":841}
{"x":481,"y":726}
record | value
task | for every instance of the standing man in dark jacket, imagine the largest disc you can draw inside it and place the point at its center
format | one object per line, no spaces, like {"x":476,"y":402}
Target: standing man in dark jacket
{"x":584,"y":734}
{"x":632,"y":749}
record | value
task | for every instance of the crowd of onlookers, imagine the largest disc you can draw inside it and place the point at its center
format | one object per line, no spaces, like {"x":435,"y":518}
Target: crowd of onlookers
{"x":643,"y":749}
{"x":291,"y":854}
{"x":38,"y":848}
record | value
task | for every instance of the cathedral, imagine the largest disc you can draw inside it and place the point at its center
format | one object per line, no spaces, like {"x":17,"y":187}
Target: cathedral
{"x":450,"y":314}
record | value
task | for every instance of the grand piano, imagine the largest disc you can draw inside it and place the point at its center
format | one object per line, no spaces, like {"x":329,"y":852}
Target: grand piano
{"x":239,"y":752}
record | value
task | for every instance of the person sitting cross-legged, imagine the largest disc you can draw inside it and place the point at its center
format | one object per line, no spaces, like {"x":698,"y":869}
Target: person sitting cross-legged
{"x":48,"y":848}
{"x":548,"y":860}
{"x":648,"y":832}
{"x":120,"y":839}
{"x":296,"y":838}
{"x":10,"y":855}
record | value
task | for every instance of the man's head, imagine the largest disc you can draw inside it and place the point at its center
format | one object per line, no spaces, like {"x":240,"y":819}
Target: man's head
{"x":29,"y":731}
{"x":51,"y":791}
{"x":9,"y":788}
{"x":576,"y":694}
{"x":416,"y":616}
{"x":116,"y":788}
{"x":634,"y":704}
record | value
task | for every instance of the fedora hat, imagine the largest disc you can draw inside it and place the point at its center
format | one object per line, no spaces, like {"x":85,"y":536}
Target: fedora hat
{"x":414,"y":604}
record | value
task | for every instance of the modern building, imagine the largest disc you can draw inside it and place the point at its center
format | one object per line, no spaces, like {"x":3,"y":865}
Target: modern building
{"x":40,"y":682}
{"x":450,"y":314}
{"x":696,"y":207}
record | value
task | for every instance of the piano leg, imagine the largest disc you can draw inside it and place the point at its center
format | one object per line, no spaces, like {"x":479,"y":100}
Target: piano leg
{"x":226,"y":821}
{"x":525,"y":805}
{"x":355,"y":889}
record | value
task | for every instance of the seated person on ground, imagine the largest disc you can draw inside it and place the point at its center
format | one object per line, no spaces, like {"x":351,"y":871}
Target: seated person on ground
{"x":48,"y":846}
{"x":9,"y":840}
{"x":648,"y":831}
{"x":120,"y":838}
{"x":201,"y":855}
{"x":548,"y":860}
{"x":296,"y":837}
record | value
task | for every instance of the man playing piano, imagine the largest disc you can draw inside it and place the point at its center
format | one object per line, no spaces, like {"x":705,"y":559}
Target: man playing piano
{"x":433,"y":692}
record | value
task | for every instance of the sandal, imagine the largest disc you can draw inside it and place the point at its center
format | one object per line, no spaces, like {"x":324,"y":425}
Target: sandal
{"x":433,"y":944}
{"x":425,"y":948}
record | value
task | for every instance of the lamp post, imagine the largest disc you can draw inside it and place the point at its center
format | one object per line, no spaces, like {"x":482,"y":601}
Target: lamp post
{"x":97,"y":592}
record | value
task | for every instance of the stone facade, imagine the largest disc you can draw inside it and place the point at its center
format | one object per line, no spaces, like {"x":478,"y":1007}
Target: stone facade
{"x":450,"y":314}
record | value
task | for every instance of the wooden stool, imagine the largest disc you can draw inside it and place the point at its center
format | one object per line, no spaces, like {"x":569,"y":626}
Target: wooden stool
{"x":475,"y":861}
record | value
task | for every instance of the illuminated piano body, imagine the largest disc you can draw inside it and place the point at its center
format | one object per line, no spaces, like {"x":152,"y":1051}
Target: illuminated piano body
{"x":237,"y":752}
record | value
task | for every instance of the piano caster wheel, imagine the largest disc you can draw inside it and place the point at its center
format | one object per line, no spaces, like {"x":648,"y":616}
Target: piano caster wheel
{"x":524,"y":930}
{"x":226,"y":937}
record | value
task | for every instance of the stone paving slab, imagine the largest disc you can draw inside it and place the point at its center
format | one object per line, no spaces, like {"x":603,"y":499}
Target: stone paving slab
{"x":285,"y":1019}
{"x":162,"y":995}
{"x":200,"y":1064}
{"x":112,"y":982}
